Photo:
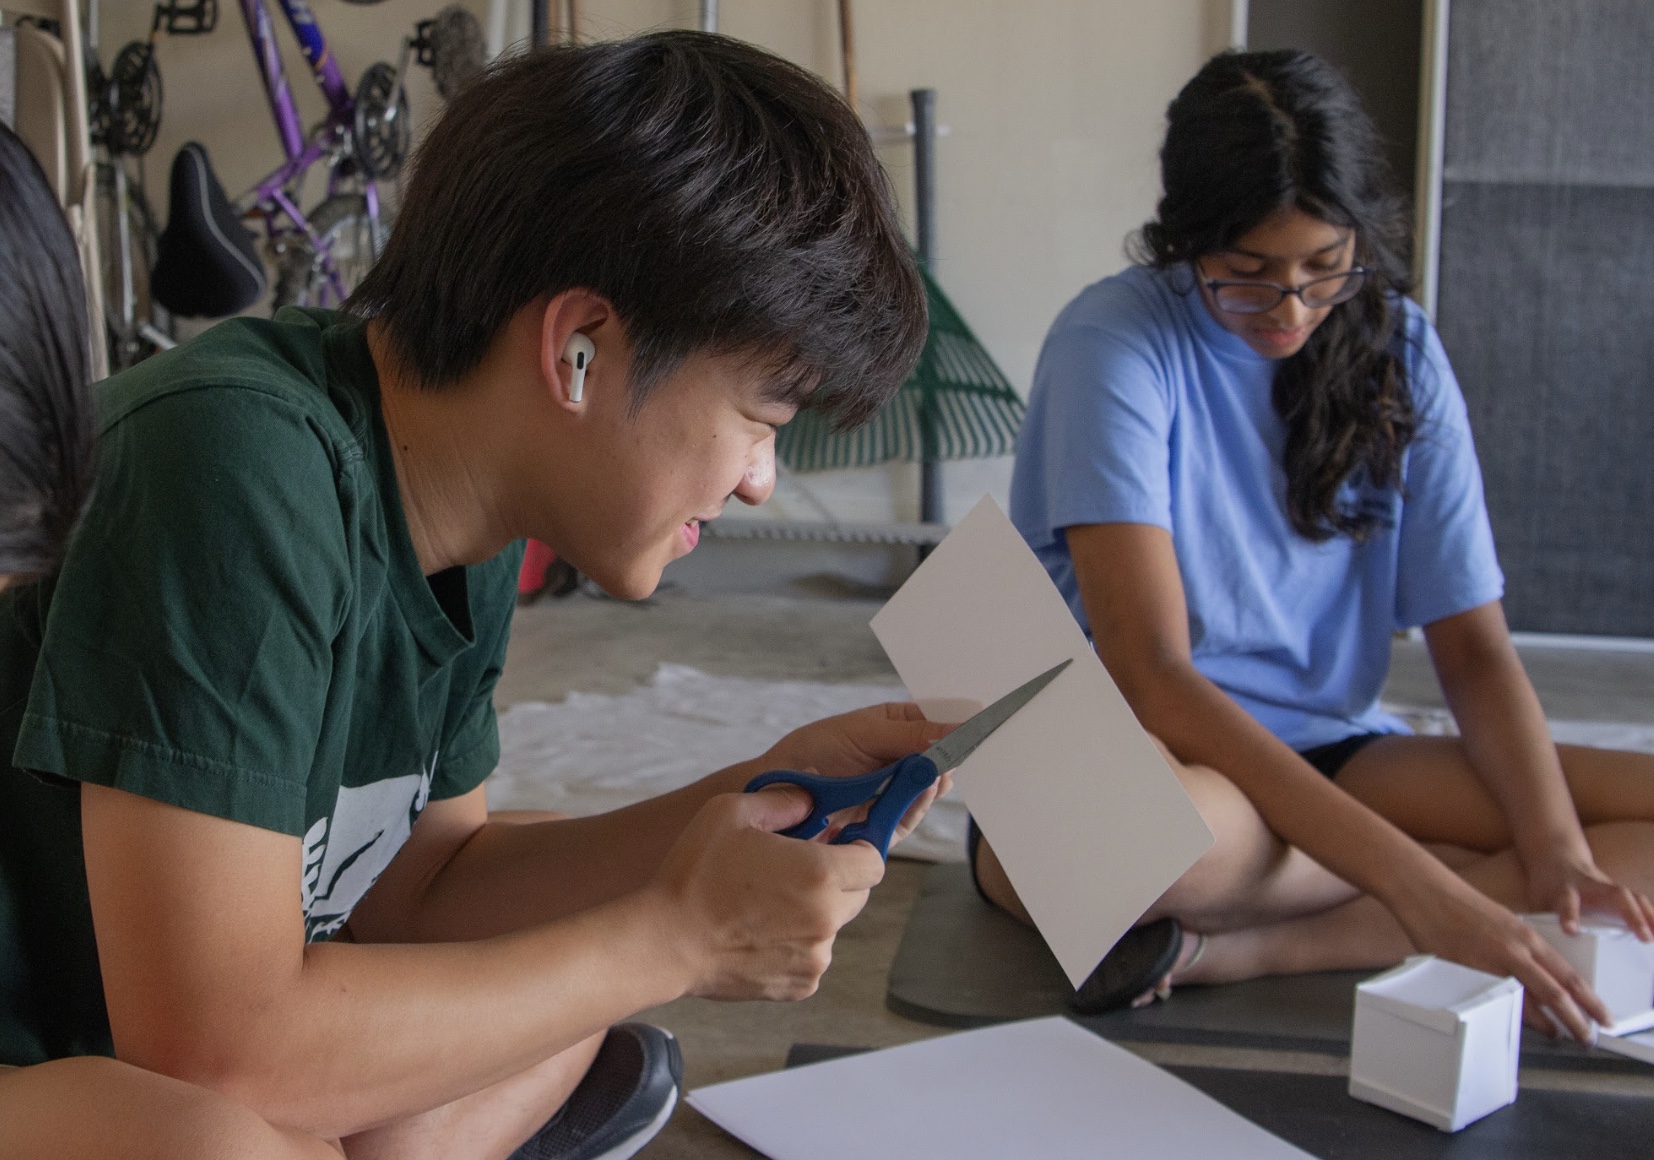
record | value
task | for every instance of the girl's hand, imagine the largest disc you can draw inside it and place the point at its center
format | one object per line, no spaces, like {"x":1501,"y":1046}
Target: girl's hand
{"x":1457,"y":922}
{"x":1568,"y":885}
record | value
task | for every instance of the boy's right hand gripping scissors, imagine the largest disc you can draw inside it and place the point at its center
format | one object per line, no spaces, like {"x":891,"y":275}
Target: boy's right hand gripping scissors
{"x":893,"y":789}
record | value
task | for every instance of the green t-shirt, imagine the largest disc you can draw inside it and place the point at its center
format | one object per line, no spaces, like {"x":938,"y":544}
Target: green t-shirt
{"x":241,"y":628}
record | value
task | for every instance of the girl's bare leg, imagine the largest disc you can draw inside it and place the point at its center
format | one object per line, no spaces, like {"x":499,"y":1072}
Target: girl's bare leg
{"x":1363,"y":935}
{"x":1270,"y":909}
{"x":1248,"y":877}
{"x":1426,"y":786}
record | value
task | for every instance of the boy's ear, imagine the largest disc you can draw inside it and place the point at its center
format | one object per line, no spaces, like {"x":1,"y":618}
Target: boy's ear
{"x":573,"y":334}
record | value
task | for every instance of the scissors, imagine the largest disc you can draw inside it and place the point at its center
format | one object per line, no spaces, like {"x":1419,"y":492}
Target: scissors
{"x":893,"y":789}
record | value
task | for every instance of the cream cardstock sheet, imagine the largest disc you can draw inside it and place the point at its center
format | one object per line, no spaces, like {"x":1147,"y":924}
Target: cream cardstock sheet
{"x":1089,"y":821}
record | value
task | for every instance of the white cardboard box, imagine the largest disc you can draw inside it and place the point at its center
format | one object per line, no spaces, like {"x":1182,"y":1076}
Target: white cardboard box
{"x":1619,"y":966}
{"x":1636,"y":1046}
{"x":1436,"y":1041}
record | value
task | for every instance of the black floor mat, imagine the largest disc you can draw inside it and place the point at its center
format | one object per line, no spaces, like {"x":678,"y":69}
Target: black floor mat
{"x":1317,"y":1114}
{"x":962,"y":963}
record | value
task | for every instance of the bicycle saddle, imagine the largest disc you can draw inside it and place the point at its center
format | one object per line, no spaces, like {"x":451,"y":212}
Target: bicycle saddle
{"x":206,"y":264}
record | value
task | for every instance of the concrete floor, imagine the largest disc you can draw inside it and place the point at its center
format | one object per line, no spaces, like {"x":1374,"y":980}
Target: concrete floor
{"x":818,"y":631}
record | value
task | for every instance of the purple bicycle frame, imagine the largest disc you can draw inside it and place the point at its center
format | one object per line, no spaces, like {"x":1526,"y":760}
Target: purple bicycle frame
{"x":270,"y":195}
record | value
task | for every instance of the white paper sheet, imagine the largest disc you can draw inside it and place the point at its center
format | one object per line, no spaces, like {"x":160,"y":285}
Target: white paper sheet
{"x":1636,"y":1046}
{"x":1044,"y":1088}
{"x":1089,"y":821}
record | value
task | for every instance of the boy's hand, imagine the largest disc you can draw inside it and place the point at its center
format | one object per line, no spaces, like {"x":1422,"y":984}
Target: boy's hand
{"x":855,"y":743}
{"x":757,"y":913}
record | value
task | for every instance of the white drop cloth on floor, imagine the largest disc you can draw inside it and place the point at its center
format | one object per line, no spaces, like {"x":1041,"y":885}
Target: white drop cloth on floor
{"x":593,"y":752}
{"x":1596,"y":734}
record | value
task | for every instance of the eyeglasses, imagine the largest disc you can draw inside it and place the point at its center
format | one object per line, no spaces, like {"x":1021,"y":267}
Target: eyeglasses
{"x":1261,"y":297}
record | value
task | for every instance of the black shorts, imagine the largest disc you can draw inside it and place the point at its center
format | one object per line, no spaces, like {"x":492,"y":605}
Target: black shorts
{"x":1329,"y":759}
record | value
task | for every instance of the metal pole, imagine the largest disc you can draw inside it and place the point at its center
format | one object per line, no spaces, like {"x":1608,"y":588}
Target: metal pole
{"x":123,"y":239}
{"x":539,"y":16}
{"x":924,"y":229}
{"x":924,"y":173}
{"x":847,"y":51}
{"x":497,"y":19}
{"x":1427,"y":192}
{"x":709,"y":15}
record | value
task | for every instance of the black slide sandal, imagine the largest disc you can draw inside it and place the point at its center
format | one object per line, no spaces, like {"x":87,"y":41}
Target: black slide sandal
{"x":1136,"y":964}
{"x":1143,"y":956}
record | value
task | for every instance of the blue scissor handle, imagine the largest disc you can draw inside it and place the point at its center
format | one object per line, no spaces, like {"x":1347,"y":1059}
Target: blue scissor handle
{"x":892,"y":789}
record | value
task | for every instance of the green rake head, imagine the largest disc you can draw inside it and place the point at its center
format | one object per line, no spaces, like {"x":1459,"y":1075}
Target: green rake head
{"x":956,"y":405}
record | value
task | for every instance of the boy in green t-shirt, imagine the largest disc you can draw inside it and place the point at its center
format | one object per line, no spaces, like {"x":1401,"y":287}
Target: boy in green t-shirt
{"x":251,"y":717}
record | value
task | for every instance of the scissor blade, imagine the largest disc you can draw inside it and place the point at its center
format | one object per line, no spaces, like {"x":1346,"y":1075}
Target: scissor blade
{"x":952,"y":750}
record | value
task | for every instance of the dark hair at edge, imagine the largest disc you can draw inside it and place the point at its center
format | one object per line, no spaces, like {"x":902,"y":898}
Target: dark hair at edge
{"x":46,"y":417}
{"x":1250,"y":135}
{"x":721,"y":199}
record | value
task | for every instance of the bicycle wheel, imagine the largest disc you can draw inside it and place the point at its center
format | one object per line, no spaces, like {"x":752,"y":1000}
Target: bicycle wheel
{"x":348,"y":238}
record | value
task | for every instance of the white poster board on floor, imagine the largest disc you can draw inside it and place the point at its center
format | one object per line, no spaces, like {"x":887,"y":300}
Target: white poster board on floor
{"x":1044,"y":1088}
{"x":1087,"y":818}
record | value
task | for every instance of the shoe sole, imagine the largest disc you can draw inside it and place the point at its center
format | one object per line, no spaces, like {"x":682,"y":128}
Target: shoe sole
{"x":633,"y":1144}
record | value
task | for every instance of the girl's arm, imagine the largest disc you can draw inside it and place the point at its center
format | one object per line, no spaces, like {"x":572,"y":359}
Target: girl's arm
{"x":1509,"y":746}
{"x":1133,"y":596}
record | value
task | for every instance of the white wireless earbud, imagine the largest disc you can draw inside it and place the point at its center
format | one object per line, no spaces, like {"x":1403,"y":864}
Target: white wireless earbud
{"x":578,"y":354}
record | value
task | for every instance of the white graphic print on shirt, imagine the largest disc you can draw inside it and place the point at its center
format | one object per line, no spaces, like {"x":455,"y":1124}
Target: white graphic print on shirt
{"x":345,"y":854}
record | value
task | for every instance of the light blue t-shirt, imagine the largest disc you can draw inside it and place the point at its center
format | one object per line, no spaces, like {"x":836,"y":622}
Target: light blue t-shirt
{"x":1145,"y":410}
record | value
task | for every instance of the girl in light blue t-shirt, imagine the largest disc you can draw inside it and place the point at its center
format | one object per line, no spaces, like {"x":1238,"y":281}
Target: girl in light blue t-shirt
{"x":1246,"y":465}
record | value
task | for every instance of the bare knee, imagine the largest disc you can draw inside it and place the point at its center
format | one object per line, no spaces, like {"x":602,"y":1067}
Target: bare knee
{"x":92,"y":1106}
{"x":1243,"y":852}
{"x":1609,"y":785}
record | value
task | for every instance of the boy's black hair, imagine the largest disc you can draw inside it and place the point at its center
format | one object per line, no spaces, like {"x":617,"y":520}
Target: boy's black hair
{"x":721,"y":199}
{"x":46,"y":418}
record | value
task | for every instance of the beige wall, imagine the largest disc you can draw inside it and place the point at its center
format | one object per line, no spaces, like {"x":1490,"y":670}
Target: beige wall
{"x":1054,"y":110}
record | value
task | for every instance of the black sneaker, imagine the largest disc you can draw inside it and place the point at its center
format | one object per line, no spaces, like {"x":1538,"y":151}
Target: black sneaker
{"x":625,"y":1099}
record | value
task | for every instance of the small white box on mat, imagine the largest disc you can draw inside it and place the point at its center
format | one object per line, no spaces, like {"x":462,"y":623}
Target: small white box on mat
{"x":1618,"y":965}
{"x":1436,"y":1041}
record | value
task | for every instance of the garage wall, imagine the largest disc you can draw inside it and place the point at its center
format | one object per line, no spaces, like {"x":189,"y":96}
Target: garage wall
{"x":1546,"y":238}
{"x":1054,"y":109}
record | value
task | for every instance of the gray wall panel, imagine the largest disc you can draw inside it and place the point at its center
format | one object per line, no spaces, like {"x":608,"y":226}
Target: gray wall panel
{"x":1545,"y":303}
{"x":1550,"y":91}
{"x":1547,"y":313}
